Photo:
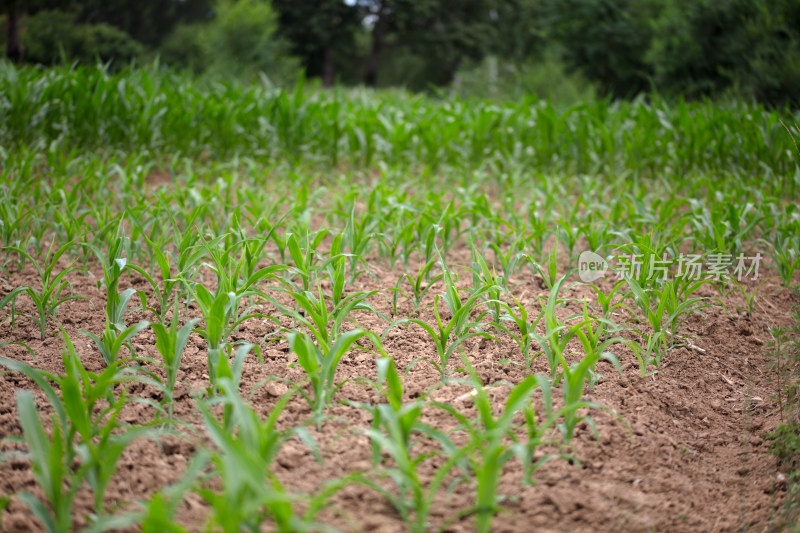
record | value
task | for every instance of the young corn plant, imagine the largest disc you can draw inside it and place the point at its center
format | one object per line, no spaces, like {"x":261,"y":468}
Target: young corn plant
{"x":399,"y":245}
{"x":665,"y":310}
{"x":648,"y":257}
{"x":419,"y":286}
{"x":231,"y":271}
{"x":51,"y":462}
{"x":457,"y":328}
{"x":304,"y":262}
{"x":494,"y":441}
{"x":357,"y":238}
{"x":80,"y":432}
{"x":217,"y":330}
{"x":750,"y":297}
{"x":320,"y":363}
{"x":607,"y":301}
{"x":250,"y":492}
{"x":784,"y":250}
{"x":557,"y":334}
{"x":115,"y":263}
{"x":549,"y":276}
{"x":414,"y":498}
{"x":394,"y":428}
{"x":592,"y":333}
{"x":568,"y":234}
{"x":524,"y":332}
{"x":326,"y":325}
{"x":188,"y":256}
{"x":112,"y":340}
{"x":389,"y":386}
{"x":596,"y":233}
{"x":50,"y":294}
{"x":170,"y":343}
{"x":722,"y":225}
{"x":576,"y":375}
{"x":483,"y":276}
{"x":511,"y":259}
{"x":540,"y":229}
{"x":13,"y":218}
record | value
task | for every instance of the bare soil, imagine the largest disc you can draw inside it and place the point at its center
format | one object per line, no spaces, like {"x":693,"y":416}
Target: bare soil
{"x":689,"y":454}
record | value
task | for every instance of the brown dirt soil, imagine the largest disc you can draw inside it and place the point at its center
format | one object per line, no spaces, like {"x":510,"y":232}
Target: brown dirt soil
{"x":689,"y":454}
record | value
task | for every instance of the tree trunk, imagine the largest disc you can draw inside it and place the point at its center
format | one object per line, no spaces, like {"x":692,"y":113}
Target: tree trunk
{"x":328,"y":67}
{"x":374,"y":60}
{"x":13,"y":48}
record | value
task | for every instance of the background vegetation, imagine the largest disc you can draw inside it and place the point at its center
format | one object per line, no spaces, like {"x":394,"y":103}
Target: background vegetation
{"x":562,"y":49}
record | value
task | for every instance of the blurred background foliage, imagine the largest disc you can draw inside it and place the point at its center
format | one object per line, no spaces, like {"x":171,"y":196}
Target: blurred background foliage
{"x":565,"y":50}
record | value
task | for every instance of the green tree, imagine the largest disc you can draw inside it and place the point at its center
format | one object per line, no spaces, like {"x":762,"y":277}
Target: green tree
{"x":147,"y":21}
{"x":440,"y":34}
{"x":606,"y":40}
{"x":51,"y":35}
{"x":321,"y":32}
{"x":704,"y":47}
{"x":13,"y":46}
{"x":241,"y":40}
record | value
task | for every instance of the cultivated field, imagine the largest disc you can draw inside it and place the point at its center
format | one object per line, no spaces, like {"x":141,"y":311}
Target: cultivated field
{"x":230,"y":308}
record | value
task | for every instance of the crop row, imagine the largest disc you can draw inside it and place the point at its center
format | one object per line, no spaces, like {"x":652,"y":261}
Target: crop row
{"x":151,"y":110}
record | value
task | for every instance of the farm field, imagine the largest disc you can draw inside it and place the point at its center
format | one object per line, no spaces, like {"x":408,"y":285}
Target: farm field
{"x":240,"y":308}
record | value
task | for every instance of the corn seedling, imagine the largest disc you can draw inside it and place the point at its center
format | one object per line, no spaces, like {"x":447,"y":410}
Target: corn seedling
{"x":320,"y":364}
{"x":170,"y":343}
{"x":483,"y":276}
{"x":357,"y":238}
{"x":419,"y":286}
{"x":217,"y":329}
{"x":784,"y":250}
{"x":114,"y":264}
{"x":49,"y":296}
{"x":394,"y":425}
{"x":493,"y":439}
{"x":456,"y":329}
{"x":79,"y":432}
{"x":399,"y":245}
{"x":304,"y":263}
{"x":163,"y":290}
{"x":722,"y":226}
{"x":607,"y":301}
{"x":51,"y":461}
{"x":557,"y":334}
{"x":112,"y":340}
{"x":665,"y":310}
{"x":250,"y":492}
{"x":326,"y":325}
{"x":523,"y":334}
{"x":550,"y":276}
{"x":511,"y":259}
{"x":750,"y":297}
{"x":594,"y":341}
